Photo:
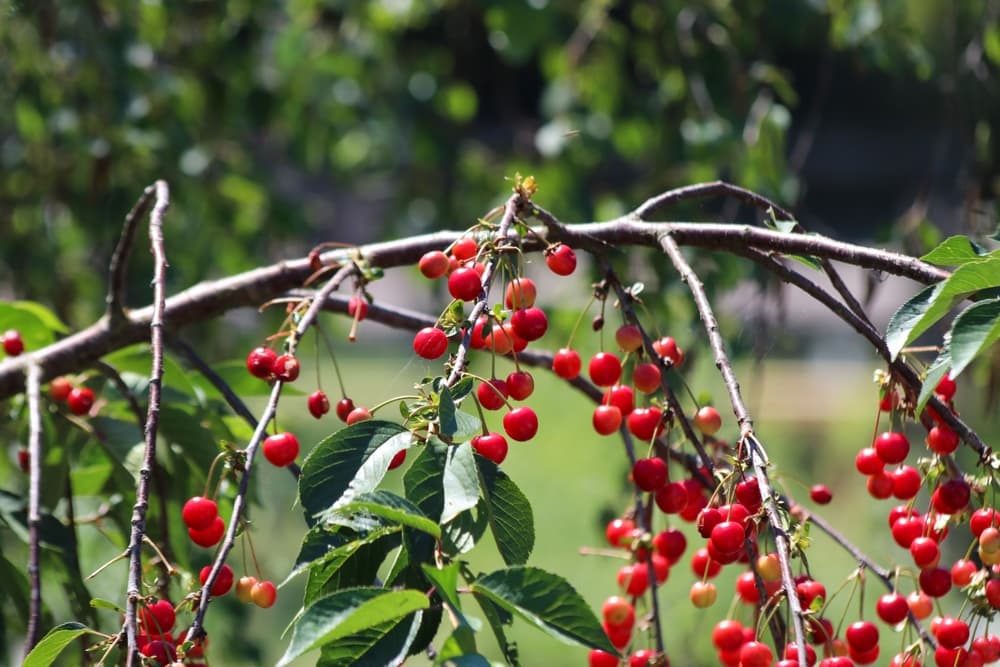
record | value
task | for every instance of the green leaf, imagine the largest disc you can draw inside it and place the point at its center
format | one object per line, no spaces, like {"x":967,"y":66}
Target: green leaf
{"x":509,"y":514}
{"x":53,"y":643}
{"x":36,"y":323}
{"x":461,"y":388}
{"x":347,"y":612}
{"x":445,"y":580}
{"x":547,"y":601}
{"x":329,"y":472}
{"x":353,"y":564}
{"x":446,"y":413}
{"x":424,"y":479}
{"x":955,"y":250}
{"x":498,"y":618}
{"x":460,"y":481}
{"x":384,"y":644}
{"x":100,"y":603}
{"x":935,"y":372}
{"x":467,"y":426}
{"x":460,"y":649}
{"x":975,"y":329}
{"x":390,"y":507}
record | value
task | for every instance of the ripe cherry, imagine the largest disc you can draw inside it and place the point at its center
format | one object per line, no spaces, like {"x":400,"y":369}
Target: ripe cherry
{"x":160,"y":650}
{"x":210,"y":536}
{"x":667,"y":348}
{"x":728,"y":536}
{"x":521,"y":293}
{"x":23,"y":459}
{"x":281,"y":449}
{"x":727,"y":635}
{"x":357,"y":307}
{"x":634,"y":579}
{"x":905,"y":482}
{"x":618,"y":612}
{"x":604,"y":369}
{"x":756,"y":654}
{"x":358,"y":414}
{"x":643,"y":658}
{"x":942,"y":440}
{"x":397,"y":460}
{"x":158,"y":618}
{"x":430,"y":343}
{"x":962,"y":572}
{"x":199,"y":513}
{"x":492,"y":395}
{"x":619,"y":531}
{"x":622,"y":397}
{"x":880,"y":485}
{"x":892,"y":447}
{"x":599,"y":658}
{"x":703,"y":565}
{"x":820,"y":494}
{"x":318,"y":404}
{"x":434,"y":264}
{"x":520,"y":385}
{"x":464,"y":248}
{"x":892,"y":608}
{"x":650,"y":474}
{"x":646,"y":377}
{"x":344,"y":408}
{"x":868,"y":462}
{"x":80,"y":400}
{"x":286,"y":368}
{"x":478,"y":337}
{"x":936,"y":581}
{"x":492,"y":446}
{"x":566,"y":363}
{"x":59,"y":389}
{"x":607,"y":419}
{"x":264,"y":594}
{"x":223,"y":581}
{"x":671,"y":498}
{"x":260,"y":362}
{"x":464,"y":284}
{"x":708,"y":420}
{"x":521,"y":423}
{"x":670,"y":544}
{"x":529,"y":323}
{"x":629,"y":337}
{"x":560,"y":259}
{"x":982,"y":519}
{"x":946,"y":388}
{"x":862,"y":636}
{"x":645,"y":423}
{"x":13,"y":344}
{"x":951,"y":497}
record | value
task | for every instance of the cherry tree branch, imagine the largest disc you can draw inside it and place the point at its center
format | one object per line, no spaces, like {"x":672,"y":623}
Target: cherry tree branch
{"x":134,"y":590}
{"x":115,"y":310}
{"x":34,"y":506}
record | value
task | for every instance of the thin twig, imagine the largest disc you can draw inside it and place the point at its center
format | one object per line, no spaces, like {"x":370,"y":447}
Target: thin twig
{"x":34,"y":505}
{"x":115,"y":302}
{"x":134,"y":590}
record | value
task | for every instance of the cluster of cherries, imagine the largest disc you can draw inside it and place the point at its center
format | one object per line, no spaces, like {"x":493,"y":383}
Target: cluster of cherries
{"x":157,"y":618}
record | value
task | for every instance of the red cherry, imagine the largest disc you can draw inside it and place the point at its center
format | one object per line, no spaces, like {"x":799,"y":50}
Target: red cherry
{"x":946,"y":388}
{"x":263,"y":594}
{"x":661,"y":567}
{"x":478,"y":338}
{"x":344,"y":408}
{"x":604,"y":369}
{"x":892,"y":608}
{"x":907,"y":529}
{"x":607,"y":419}
{"x":820,"y":630}
{"x":318,"y":404}
{"x":905,"y":482}
{"x":358,"y":414}
{"x":23,"y":459}
{"x":260,"y":362}
{"x":888,"y":401}
{"x":160,"y":650}
{"x":618,"y":612}
{"x":880,"y":485}
{"x":667,"y":348}
{"x":464,"y":248}
{"x":756,"y":654}
{"x":464,"y":284}
{"x":862,"y":636}
{"x":728,"y":536}
{"x":992,"y":590}
{"x":59,"y":389}
{"x":622,"y":397}
{"x":951,"y":497}
{"x":920,"y":604}
{"x":157,"y":619}
{"x":286,"y":368}
{"x":210,"y":536}
{"x":521,"y":423}
{"x":619,"y":637}
{"x":703,"y":565}
{"x":748,"y":493}
{"x":357,"y":307}
{"x":434,"y":264}
{"x":792,"y":654}
{"x":521,"y":293}
{"x":982,"y":519}
{"x":810,"y":590}
{"x":281,"y":449}
{"x":566,"y":363}
{"x":634,"y":579}
{"x":430,"y":343}
{"x":618,"y":530}
{"x":952,"y":632}
{"x":708,"y":518}
{"x":645,"y":423}
{"x":642,"y":658}
{"x":499,"y":339}
{"x":223,"y":581}
{"x":492,"y":446}
{"x":670,"y":544}
{"x":820,"y":494}
{"x":727,"y":635}
{"x":987,"y":646}
{"x":199,"y":513}
{"x":492,"y":395}
{"x":708,"y":420}
{"x":13,"y":345}
{"x":529,"y":323}
{"x":671,"y":498}
{"x":599,"y":658}
{"x":646,"y":377}
{"x":628,"y":337}
{"x":892,"y":447}
{"x":650,"y":474}
{"x":520,"y":385}
{"x":868,"y":462}
{"x":942,"y":439}
{"x":560,"y":259}
{"x":936,"y":581}
{"x":80,"y":400}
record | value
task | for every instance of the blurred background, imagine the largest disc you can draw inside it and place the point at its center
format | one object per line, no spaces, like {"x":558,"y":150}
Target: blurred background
{"x":280,"y":125}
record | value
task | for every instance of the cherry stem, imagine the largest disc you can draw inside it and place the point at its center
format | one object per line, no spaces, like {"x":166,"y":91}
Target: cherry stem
{"x":333,"y":356}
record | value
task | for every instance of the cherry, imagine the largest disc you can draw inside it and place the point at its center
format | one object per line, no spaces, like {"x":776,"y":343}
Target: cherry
{"x":728,"y":536}
{"x":618,"y":530}
{"x":344,"y":408}
{"x":80,"y":400}
{"x":607,"y":419}
{"x":880,"y":485}
{"x":619,"y":637}
{"x":286,"y":368}
{"x":622,"y":397}
{"x":23,"y":459}
{"x":628,"y":337}
{"x":281,"y":449}
{"x":810,"y":590}
{"x":434,"y":264}
{"x":907,"y":529}
{"x":358,"y":414}
{"x":397,"y":460}
{"x":905,"y":482}
{"x":987,"y":646}
{"x":158,"y":618}
{"x":634,"y":579}
{"x":529,"y":323}
{"x":942,"y":440}
{"x":318,"y":404}
{"x":357,"y":307}
{"x":492,"y":395}
{"x":820,"y":494}
{"x":618,"y":612}
{"x":703,"y":594}
{"x":520,"y":385}
{"x":199,"y":513}
{"x":59,"y":389}
{"x":952,"y":632}
{"x":792,"y":653}
{"x":667,"y":348}
{"x":464,"y":284}
{"x":13,"y":344}
{"x":868,"y":462}
{"x":464,"y":248}
{"x":264,"y":593}
{"x":769,"y":567}
{"x":604,"y":369}
{"x":599,"y":658}
{"x":992,"y":590}
{"x":650,"y":474}
{"x":892,"y":608}
{"x":756,"y":654}
{"x":492,"y":446}
{"x":920,"y":604}
{"x":671,"y":498}
{"x":477,"y":340}
{"x":430,"y":343}
{"x":748,"y":493}
{"x":982,"y":519}
{"x":946,"y":388}
{"x":646,"y":377}
{"x":560,"y":259}
{"x":244,"y":589}
{"x":566,"y":363}
{"x":670,"y":544}
{"x":160,"y":650}
{"x":727,"y":635}
{"x":521,"y":293}
{"x":904,"y":660}
{"x":210,"y":536}
{"x":643,"y":657}
{"x":521,"y":423}
{"x":888,"y":401}
{"x":935,"y":581}
{"x":862,"y":636}
{"x":260,"y":362}
{"x":223,"y":581}
{"x":951,"y":497}
{"x":645,"y":423}
{"x":820,"y":630}
{"x":704,"y":566}
{"x":892,"y":447}
{"x":708,"y":518}
{"x":862,"y":657}
{"x":708,"y":420}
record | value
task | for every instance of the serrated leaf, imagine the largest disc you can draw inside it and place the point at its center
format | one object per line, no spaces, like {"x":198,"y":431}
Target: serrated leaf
{"x":385,"y":644}
{"x":498,"y":617}
{"x":424,"y":479}
{"x":460,"y":649}
{"x":348,"y":612}
{"x":547,"y":601}
{"x":935,"y":372}
{"x":331,"y":468}
{"x":509,"y":514}
{"x":353,"y":564}
{"x":53,"y":643}
{"x":445,"y":580}
{"x":460,"y":481}
{"x":446,"y":413}
{"x":975,"y":329}
{"x":467,"y":426}
{"x":955,"y":250}
{"x":461,"y":389}
{"x":390,"y":507}
{"x":320,"y":542}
